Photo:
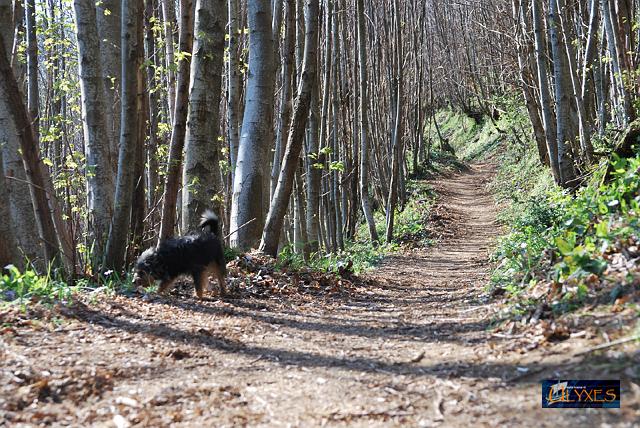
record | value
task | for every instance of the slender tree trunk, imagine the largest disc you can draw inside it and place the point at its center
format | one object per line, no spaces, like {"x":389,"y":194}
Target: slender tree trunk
{"x":132,"y":14}
{"x":545,"y":95}
{"x":100,"y":185}
{"x":313,"y":175}
{"x":364,"y":143}
{"x":108,"y":19}
{"x":154,"y":108}
{"x":9,"y":253}
{"x":33,"y":93}
{"x":563,"y":97}
{"x":33,"y":165}
{"x":285,"y":105}
{"x":335,"y":146}
{"x":282,"y":194}
{"x":590,"y":54}
{"x":233,"y":82}
{"x":525,"y":61}
{"x":616,"y":15}
{"x":17,"y":188}
{"x":300,"y":237}
{"x":174,"y":166}
{"x":202,"y":149}
{"x":251,"y":179}
{"x":397,"y":127}
{"x":169,"y":17}
{"x":622,"y":103}
{"x":584,"y":132}
{"x":142,"y":108}
{"x":18,"y":31}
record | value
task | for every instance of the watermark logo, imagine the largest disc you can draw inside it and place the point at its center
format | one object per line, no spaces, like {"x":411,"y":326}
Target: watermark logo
{"x":558,"y":393}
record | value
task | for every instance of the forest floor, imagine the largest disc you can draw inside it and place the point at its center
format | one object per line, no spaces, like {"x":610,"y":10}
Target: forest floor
{"x":414,"y":347}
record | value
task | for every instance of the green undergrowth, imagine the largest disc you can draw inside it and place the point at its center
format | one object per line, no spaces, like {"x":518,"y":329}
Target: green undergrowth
{"x":21,"y":288}
{"x":565,"y":251}
{"x":561,"y":251}
{"x":25,"y":287}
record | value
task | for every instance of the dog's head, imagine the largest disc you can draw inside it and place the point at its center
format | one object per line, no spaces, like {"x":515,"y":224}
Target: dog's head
{"x":144,"y":274}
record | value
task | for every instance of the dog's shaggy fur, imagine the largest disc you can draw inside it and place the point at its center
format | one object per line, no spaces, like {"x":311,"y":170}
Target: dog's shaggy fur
{"x":198,"y":254}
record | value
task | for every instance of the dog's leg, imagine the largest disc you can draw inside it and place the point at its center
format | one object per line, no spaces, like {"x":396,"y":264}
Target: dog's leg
{"x":200,"y":279}
{"x":165,"y":285}
{"x":222,"y":283}
{"x":218,"y":274}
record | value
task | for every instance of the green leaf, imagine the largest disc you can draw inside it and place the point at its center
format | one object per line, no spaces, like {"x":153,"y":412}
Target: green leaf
{"x":564,"y":246}
{"x":602,"y":229}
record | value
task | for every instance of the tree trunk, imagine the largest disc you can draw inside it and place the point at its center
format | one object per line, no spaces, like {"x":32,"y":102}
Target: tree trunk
{"x":169,"y":17}
{"x":108,"y":19}
{"x":33,"y":93}
{"x":364,"y":143}
{"x":154,"y":108}
{"x":313,"y":175}
{"x":563,"y":97}
{"x":545,"y":95}
{"x":100,"y":185}
{"x":335,"y":146}
{"x":17,"y":188}
{"x":138,"y":211}
{"x":300,"y":237}
{"x":9,"y":253}
{"x":251,"y":179}
{"x":233,"y":77}
{"x":132,"y":14}
{"x":285,"y":105}
{"x":35,"y":169}
{"x":623,"y":102}
{"x":525,"y":61}
{"x":282,"y":194}
{"x":202,"y":149}
{"x":174,"y":165}
{"x":589,"y":61}
{"x":584,"y":132}
{"x":396,"y":134}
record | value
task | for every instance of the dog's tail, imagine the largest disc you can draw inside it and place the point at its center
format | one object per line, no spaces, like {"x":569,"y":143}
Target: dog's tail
{"x":210,"y":222}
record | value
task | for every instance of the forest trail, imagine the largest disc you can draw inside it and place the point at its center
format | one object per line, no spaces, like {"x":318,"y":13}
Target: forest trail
{"x":413,"y":349}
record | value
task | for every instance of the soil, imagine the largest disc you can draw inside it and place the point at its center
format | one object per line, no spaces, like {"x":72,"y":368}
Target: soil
{"x":413,"y":345}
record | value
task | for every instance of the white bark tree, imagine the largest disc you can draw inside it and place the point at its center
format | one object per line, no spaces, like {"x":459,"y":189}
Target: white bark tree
{"x":132,"y":14}
{"x":100,"y":186}
{"x":251,"y":178}
{"x":108,"y":20}
{"x":202,"y":149}
{"x":233,"y":82}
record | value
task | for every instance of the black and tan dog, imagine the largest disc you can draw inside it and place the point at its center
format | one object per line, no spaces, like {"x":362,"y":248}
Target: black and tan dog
{"x":198,"y":254}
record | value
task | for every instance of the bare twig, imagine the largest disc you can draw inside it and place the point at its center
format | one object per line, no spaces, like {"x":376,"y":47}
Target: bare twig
{"x":241,"y":227}
{"x":610,"y":344}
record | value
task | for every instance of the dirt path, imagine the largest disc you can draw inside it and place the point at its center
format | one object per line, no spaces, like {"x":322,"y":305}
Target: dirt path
{"x":413,"y":349}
